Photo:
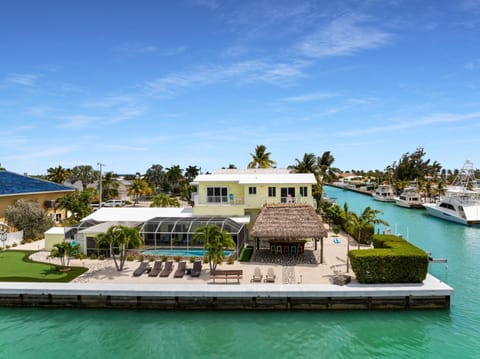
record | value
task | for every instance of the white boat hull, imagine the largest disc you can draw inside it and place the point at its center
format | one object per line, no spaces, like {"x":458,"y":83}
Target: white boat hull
{"x":452,"y":216}
{"x":407,"y":204}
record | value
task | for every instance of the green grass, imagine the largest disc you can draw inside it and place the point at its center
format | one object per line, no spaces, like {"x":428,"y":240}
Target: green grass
{"x":16,"y":267}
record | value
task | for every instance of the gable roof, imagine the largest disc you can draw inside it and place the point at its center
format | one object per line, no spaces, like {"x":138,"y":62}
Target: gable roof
{"x":288,"y":221}
{"x":14,"y":183}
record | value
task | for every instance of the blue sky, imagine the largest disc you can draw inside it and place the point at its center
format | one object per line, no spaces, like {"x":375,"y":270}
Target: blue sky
{"x":202,"y":82}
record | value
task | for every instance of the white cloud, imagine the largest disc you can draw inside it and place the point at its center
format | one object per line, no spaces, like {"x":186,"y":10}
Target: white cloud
{"x":241,"y":72}
{"x":433,"y":119}
{"x":473,"y":65}
{"x":78,"y":121}
{"x":23,"y":79}
{"x":41,"y":153}
{"x":109,"y":101}
{"x":315,"y":96}
{"x":142,"y":49}
{"x":343,"y":36}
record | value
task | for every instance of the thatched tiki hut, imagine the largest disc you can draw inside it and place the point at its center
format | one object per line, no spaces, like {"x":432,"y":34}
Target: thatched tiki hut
{"x":287,"y":227}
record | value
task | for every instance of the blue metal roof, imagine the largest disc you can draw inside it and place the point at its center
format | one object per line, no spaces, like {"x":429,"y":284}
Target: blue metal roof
{"x":13,"y":183}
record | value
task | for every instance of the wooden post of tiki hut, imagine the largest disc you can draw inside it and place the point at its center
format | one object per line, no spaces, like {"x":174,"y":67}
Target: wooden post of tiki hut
{"x":287,"y":226}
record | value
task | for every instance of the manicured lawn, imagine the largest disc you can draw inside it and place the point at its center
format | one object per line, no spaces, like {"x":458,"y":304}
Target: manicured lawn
{"x":16,"y":267}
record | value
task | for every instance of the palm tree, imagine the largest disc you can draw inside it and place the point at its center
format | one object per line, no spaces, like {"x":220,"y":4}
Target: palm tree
{"x":139,"y":188}
{"x":215,"y":241}
{"x":64,"y":251}
{"x":58,"y":174}
{"x":308,"y":164}
{"x":84,"y":173}
{"x":191,"y":172}
{"x":163,"y":200}
{"x":173,"y":178}
{"x":261,"y":158}
{"x":155,"y":176}
{"x":327,"y":172}
{"x":110,"y":186}
{"x":121,"y":237}
{"x":77,"y":203}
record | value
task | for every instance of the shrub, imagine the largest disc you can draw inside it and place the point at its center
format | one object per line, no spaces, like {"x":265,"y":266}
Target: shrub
{"x":164,"y":258}
{"x":393,"y":260}
{"x":246,"y":254}
{"x":81,"y":256}
{"x":366,"y":233}
{"x":151,"y":259}
{"x":14,"y":244}
{"x":101,"y":257}
{"x":130,"y":258}
{"x":177,"y":258}
{"x":141,"y":257}
{"x":205,"y":259}
{"x":7,"y":246}
{"x":230,"y":260}
{"x":93,"y":256}
{"x":192,"y":259}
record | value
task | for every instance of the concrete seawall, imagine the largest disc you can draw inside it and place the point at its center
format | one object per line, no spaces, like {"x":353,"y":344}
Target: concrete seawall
{"x":431,"y":294}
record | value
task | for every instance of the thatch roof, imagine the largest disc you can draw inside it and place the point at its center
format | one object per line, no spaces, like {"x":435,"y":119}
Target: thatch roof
{"x":288,"y":221}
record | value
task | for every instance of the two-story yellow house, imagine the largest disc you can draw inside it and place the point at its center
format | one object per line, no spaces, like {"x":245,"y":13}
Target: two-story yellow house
{"x":233,"y":192}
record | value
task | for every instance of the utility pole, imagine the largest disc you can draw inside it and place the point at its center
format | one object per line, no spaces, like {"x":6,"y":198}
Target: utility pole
{"x":101,"y":165}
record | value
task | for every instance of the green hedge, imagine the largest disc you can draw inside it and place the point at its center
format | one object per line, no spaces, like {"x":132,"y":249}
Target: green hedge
{"x":366,"y":233}
{"x":246,"y":254}
{"x":393,"y":260}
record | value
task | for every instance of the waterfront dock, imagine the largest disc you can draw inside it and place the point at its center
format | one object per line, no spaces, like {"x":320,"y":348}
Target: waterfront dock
{"x":431,"y":294}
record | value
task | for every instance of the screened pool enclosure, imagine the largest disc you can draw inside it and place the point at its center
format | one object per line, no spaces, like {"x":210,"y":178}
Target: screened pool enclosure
{"x":178,"y":232}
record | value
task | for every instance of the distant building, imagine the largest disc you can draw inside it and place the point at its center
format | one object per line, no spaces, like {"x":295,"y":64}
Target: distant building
{"x":14,"y":187}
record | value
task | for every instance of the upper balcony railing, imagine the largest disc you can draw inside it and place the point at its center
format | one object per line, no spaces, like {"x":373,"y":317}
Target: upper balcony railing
{"x":253,"y":201}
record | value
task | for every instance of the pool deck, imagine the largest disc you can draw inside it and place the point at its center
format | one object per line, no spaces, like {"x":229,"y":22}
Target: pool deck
{"x":296,"y":287}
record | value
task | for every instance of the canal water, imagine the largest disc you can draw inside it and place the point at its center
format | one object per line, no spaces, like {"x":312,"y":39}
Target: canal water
{"x":76,"y":333}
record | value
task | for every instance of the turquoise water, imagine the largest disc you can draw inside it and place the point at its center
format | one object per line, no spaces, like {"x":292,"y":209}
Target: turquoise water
{"x":76,"y":333}
{"x":184,"y":252}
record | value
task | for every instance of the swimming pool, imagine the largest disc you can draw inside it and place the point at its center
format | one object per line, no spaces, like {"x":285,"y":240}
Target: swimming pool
{"x":183,"y":252}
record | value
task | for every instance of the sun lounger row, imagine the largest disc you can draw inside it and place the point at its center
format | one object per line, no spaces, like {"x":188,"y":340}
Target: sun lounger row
{"x":258,"y":276}
{"x":164,"y":271}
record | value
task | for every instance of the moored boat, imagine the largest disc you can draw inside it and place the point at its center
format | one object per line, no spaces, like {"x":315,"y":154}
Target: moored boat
{"x":461,"y":203}
{"x":409,"y":198}
{"x":384,"y":193}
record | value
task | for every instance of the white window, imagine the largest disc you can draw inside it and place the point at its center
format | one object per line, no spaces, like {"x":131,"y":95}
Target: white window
{"x":217,"y":194}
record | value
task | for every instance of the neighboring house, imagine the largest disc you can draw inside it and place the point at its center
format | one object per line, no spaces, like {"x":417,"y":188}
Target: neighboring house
{"x":14,"y":186}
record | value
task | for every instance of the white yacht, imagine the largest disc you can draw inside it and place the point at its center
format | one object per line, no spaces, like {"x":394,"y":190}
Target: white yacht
{"x":409,"y":198}
{"x":461,"y":203}
{"x":384,"y":193}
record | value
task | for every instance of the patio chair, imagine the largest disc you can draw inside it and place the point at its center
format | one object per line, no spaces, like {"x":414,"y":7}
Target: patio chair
{"x":197,"y":269}
{"x":167,"y":269}
{"x":142,"y":268}
{"x":157,"y":268}
{"x":270,"y":277}
{"x":180,"y":272}
{"x":257,"y":275}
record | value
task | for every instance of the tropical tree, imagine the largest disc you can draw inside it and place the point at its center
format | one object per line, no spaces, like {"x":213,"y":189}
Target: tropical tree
{"x":121,"y":238}
{"x":308,"y":164}
{"x":163,"y":200}
{"x":64,"y":251}
{"x":173,"y":178}
{"x":138,"y":189}
{"x":215,"y":241}
{"x":77,"y":204}
{"x":261,"y":158}
{"x":85,"y":174}
{"x":155,"y":176}
{"x":109,"y":186}
{"x":191,"y":172}
{"x":58,"y":174}
{"x":326,"y":171}
{"x":27,"y":216}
